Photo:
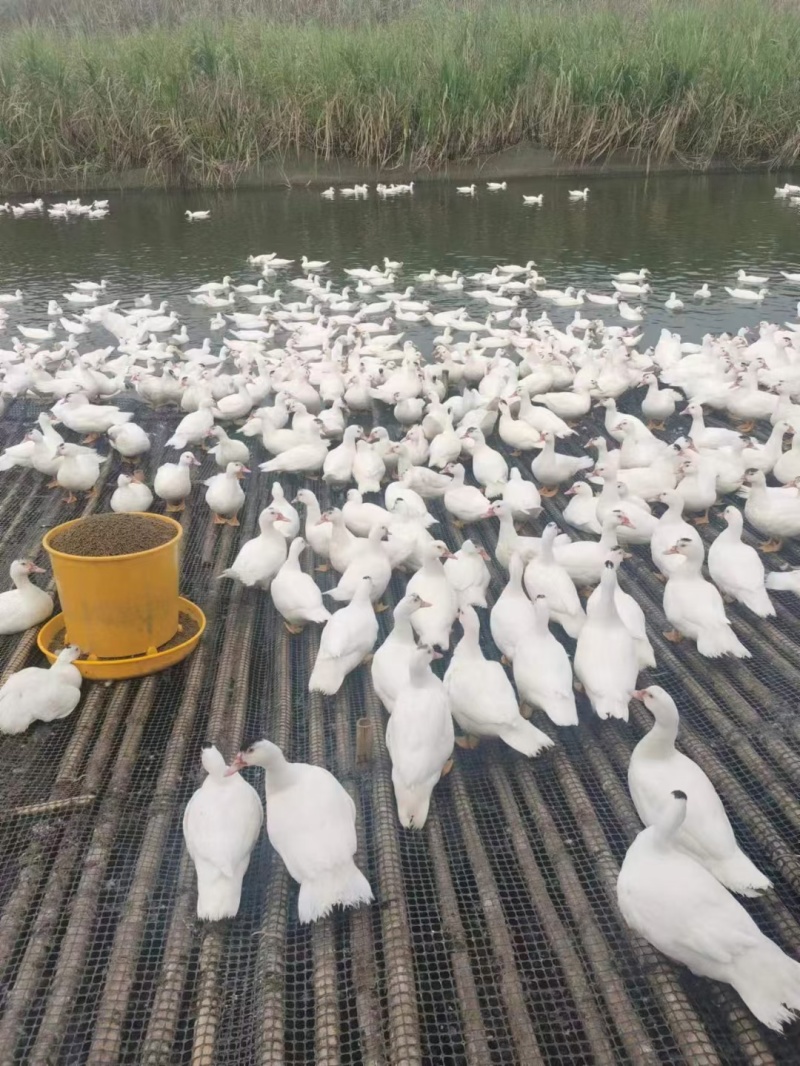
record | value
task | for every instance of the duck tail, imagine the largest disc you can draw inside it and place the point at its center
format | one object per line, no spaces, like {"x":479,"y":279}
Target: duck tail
{"x":326,"y":677}
{"x":758,"y":602}
{"x":175,"y":442}
{"x":218,"y":893}
{"x":611,"y":706}
{"x":344,"y":886}
{"x":719,"y":641}
{"x":494,"y":489}
{"x":525,"y":738}
{"x":769,"y":983}
{"x":739,"y":874}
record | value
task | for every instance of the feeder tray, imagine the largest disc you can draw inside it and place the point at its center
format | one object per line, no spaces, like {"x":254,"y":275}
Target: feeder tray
{"x":94,"y":669}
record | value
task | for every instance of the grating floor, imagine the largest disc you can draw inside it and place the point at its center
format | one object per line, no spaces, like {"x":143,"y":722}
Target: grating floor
{"x":495,"y":937}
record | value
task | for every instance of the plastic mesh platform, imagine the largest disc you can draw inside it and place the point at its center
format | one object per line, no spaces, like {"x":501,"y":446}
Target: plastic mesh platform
{"x":495,"y":937}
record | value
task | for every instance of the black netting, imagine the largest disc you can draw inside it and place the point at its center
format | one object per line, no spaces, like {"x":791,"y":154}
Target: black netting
{"x":494,"y":937}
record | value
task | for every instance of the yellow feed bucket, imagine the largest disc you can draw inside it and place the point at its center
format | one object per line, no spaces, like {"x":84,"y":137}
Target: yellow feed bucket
{"x":116,"y":606}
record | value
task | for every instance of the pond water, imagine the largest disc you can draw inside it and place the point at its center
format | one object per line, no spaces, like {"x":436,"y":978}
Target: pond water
{"x":687,"y":229}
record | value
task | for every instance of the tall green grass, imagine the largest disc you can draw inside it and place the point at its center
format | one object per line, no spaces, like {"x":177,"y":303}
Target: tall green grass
{"x":204,"y":101}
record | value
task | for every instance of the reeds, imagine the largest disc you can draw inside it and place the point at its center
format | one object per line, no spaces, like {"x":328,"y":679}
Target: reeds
{"x":208,"y":100}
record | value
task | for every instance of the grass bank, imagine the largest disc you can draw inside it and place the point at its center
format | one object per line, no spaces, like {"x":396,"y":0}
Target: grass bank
{"x":206,"y":94}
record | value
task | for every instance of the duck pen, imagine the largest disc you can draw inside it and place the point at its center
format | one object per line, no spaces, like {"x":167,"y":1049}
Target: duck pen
{"x":494,"y":937}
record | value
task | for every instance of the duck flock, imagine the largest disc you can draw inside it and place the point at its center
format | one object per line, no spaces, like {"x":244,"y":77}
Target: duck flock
{"x":484,"y":417}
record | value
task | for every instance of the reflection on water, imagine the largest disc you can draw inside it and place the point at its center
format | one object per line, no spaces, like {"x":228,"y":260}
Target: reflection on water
{"x":686,"y":229}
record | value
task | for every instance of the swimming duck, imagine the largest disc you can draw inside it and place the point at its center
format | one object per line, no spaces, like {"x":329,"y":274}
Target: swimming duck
{"x":521,"y":495}
{"x":260,"y":558}
{"x":131,"y":494}
{"x":370,"y":560}
{"x":433,"y":624}
{"x":655,"y":768}
{"x":296,"y":596}
{"x":680,"y":908}
{"x":551,"y":468}
{"x":41,"y":695}
{"x":482,"y":699}
{"x":606,"y":659}
{"x":736,"y":569}
{"x":129,"y":440}
{"x":311,"y":823}
{"x":347,"y":638}
{"x":512,"y":614}
{"x":466,"y":503}
{"x":469,"y":575}
{"x":419,"y":739}
{"x":173,"y":481}
{"x":581,"y":511}
{"x":542,"y":671}
{"x":224,"y":495}
{"x":25,"y":605}
{"x":771,"y":511}
{"x":392,"y":660}
{"x":221,"y":826}
{"x":695,"y":608}
{"x":630,"y":613}
{"x":78,"y":471}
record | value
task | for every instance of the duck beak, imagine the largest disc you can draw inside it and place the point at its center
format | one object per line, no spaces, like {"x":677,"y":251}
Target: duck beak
{"x":672,"y":551}
{"x":437,"y":655}
{"x":484,"y":554}
{"x":489,"y":514}
{"x":243,"y":471}
{"x":34,"y":569}
{"x":280,"y":518}
{"x":570,"y":491}
{"x":625,"y":521}
{"x":424,"y":603}
{"x":639,"y":694}
{"x":237,"y":765}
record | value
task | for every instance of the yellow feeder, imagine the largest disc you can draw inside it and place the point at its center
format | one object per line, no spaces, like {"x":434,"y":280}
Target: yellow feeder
{"x":119,"y":609}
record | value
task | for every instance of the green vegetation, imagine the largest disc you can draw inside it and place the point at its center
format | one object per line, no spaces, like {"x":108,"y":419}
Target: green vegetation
{"x":202,"y":92}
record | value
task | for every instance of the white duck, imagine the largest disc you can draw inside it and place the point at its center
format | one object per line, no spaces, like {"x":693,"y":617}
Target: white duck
{"x":669,"y":528}
{"x":80,"y":416}
{"x":260,"y":558}
{"x":392,"y":660}
{"x":681,"y":909}
{"x":772,"y":511}
{"x":419,"y":739}
{"x":630,"y":613}
{"x":227,"y":449}
{"x":655,"y":768}
{"x":361,"y":517}
{"x":545,"y":576}
{"x":606,"y":659}
{"x":581,"y":511}
{"x":509,"y":541}
{"x":659,"y":404}
{"x":703,"y":436}
{"x":129,"y":440}
{"x":317,"y":533}
{"x":307,"y":457}
{"x":311,"y":823}
{"x":433,"y":624}
{"x":482,"y":699}
{"x":194,"y":427}
{"x":736,"y":569}
{"x":489,"y":468}
{"x":296,"y":595}
{"x":41,"y":695}
{"x":372,"y":561}
{"x":786,"y":467}
{"x":78,"y":471}
{"x":173,"y":481}
{"x":697,"y":486}
{"x":131,"y":494}
{"x":25,"y":605}
{"x":610,"y":499}
{"x":368,"y":468}
{"x":584,"y":560}
{"x":345,"y":642}
{"x":291,"y":527}
{"x":224,"y":495}
{"x":337,"y":469}
{"x":343,"y":547}
{"x":551,"y":468}
{"x":466,"y":503}
{"x":512,"y":614}
{"x":542,"y":671}
{"x":695,"y":608}
{"x":521,"y":495}
{"x":469,"y":575}
{"x":221,"y":826}
{"x":516,"y":432}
